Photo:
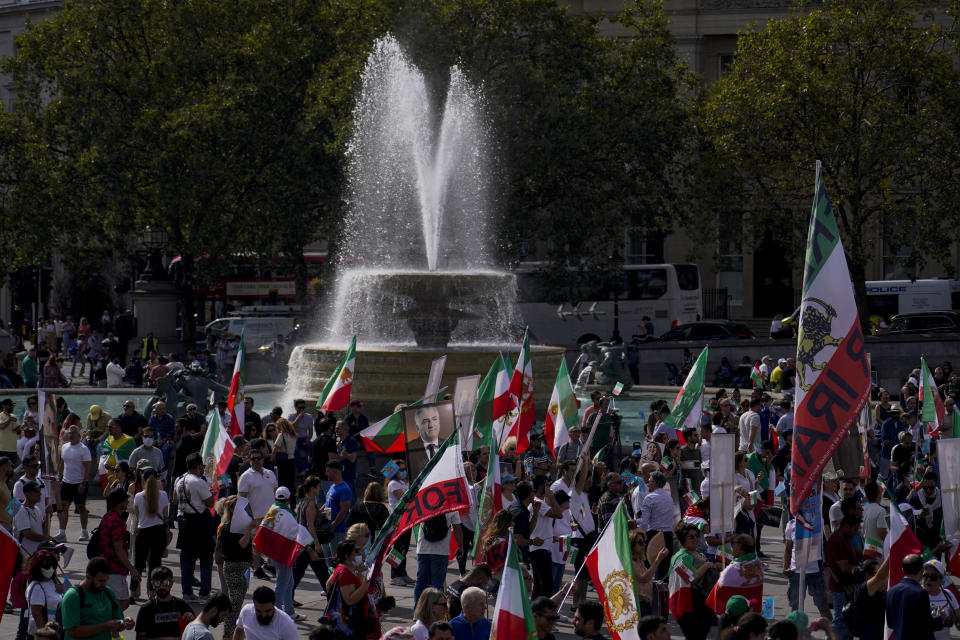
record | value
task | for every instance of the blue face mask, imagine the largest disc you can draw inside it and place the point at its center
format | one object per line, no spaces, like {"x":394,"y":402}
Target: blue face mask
{"x":402,"y":475}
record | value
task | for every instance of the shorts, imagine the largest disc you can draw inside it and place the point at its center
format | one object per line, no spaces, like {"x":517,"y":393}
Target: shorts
{"x":120,"y":586}
{"x":71,"y":493}
{"x":816,"y":587}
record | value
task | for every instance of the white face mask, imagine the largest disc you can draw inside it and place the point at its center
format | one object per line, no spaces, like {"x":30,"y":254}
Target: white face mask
{"x":148,"y":442}
{"x":48,"y":573}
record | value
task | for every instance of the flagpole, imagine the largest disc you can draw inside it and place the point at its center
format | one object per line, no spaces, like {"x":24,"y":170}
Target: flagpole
{"x":599,"y":537}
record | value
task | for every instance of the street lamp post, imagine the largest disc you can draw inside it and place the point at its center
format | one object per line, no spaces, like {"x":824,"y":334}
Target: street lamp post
{"x":617,"y":262}
{"x":154,"y":239}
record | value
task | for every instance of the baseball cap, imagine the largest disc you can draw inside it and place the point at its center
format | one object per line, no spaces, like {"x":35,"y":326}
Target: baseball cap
{"x":765,"y":358}
{"x":95,"y":411}
{"x":507,"y":477}
{"x":912,"y":412}
{"x":936,"y":564}
{"x":781,"y":361}
{"x":143,"y":464}
{"x":282,"y":493}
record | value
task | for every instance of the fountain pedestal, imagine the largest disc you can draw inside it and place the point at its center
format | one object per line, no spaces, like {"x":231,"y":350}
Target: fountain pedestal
{"x":387,"y":376}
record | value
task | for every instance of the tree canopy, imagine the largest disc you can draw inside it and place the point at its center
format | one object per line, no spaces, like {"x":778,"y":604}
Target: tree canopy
{"x":866,"y":86}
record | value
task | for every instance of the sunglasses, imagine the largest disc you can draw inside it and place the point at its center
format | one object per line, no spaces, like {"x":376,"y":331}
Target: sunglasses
{"x":929,"y":488}
{"x":932,"y":577}
{"x":255,"y":459}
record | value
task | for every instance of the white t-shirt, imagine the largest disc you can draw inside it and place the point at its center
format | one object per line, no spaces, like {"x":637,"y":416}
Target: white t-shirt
{"x":561,"y":527}
{"x":747,"y":420}
{"x":196,"y":630}
{"x":790,"y":533}
{"x":507,"y":502}
{"x":114,"y":375}
{"x":705,"y":450}
{"x":947,"y":602}
{"x":543,"y":529}
{"x":259,"y":488}
{"x":874,"y":519}
{"x":395,"y":485}
{"x":144,"y":519}
{"x":578,"y":503}
{"x":74,"y":455}
{"x":441,"y":547}
{"x":281,"y":626}
{"x":195,"y":489}
{"x":43,"y":594}
{"x":28,"y":518}
{"x":44,"y":493}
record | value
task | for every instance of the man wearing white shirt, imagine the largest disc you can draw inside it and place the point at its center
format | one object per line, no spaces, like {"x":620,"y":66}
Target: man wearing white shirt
{"x":73,"y":481}
{"x":115,"y":372}
{"x":261,"y":620}
{"x":28,"y":523}
{"x":706,"y":432}
{"x":257,"y":485}
{"x":750,"y":426}
{"x":542,"y":514}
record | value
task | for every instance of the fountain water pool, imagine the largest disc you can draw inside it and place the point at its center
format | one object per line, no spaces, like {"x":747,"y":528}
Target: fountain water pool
{"x":415,"y":277}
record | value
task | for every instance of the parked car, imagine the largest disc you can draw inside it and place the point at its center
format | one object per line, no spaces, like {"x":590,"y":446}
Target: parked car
{"x":925,"y":322}
{"x":709,"y":330}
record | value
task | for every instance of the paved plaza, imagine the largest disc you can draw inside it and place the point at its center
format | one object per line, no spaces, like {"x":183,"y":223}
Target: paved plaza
{"x":310,"y":594}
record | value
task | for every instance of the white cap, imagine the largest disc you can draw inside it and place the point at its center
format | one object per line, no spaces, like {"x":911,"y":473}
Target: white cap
{"x":282,"y":493}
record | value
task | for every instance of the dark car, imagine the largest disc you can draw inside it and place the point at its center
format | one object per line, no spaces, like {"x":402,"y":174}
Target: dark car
{"x":700,"y":331}
{"x":926,"y":322}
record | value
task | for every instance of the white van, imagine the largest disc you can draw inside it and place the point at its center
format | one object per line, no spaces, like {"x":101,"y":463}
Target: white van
{"x":257,"y":331}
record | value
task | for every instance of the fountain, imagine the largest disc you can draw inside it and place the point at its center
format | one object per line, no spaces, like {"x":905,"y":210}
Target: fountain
{"x":415,"y":278}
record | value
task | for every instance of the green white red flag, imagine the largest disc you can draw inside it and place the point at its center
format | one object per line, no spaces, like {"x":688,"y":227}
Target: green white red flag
{"x":512,"y":614}
{"x":493,"y":398}
{"x":833,"y":373}
{"x":611,"y":567}
{"x":562,"y":411}
{"x":744,"y":577}
{"x":688,"y":406}
{"x":235,"y":397}
{"x":387,"y":435}
{"x":682,"y":575}
{"x":280,"y":537}
{"x":931,"y":405}
{"x":521,"y":389}
{"x":336,"y":393}
{"x":901,"y":541}
{"x":755,"y":375}
{"x":217,"y":451}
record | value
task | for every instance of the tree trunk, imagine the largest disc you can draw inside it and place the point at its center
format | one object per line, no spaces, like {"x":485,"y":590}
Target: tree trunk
{"x":188,"y":303}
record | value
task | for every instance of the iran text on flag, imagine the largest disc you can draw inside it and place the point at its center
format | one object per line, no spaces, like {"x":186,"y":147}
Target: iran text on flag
{"x":687,"y":409}
{"x":336,"y":393}
{"x":492,"y":400}
{"x":235,"y":404}
{"x":521,"y":388}
{"x":744,"y":577}
{"x":833,"y":375}
{"x":280,"y":537}
{"x":611,"y":569}
{"x":440,"y":488}
{"x":931,"y":406}
{"x":512,"y":615}
{"x":217,"y":451}
{"x":562,"y":411}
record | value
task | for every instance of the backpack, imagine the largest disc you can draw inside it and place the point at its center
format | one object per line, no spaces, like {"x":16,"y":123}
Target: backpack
{"x":18,"y":590}
{"x":93,"y":545}
{"x":435,"y":529}
{"x":58,"y":616}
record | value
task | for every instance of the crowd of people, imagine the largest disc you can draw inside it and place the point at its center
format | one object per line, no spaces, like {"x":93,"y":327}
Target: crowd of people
{"x":155,"y":497}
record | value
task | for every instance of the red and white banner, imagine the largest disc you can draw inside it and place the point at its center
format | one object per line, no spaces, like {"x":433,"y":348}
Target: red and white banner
{"x":280,"y":537}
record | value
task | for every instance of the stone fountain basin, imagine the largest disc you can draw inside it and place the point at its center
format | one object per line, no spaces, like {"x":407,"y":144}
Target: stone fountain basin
{"x":389,"y":375}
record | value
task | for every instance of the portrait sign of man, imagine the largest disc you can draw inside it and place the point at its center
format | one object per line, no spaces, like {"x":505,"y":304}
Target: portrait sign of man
{"x":426,"y":427}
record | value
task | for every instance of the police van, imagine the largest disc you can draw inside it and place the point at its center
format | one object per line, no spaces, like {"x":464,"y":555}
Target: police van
{"x":886,"y":298}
